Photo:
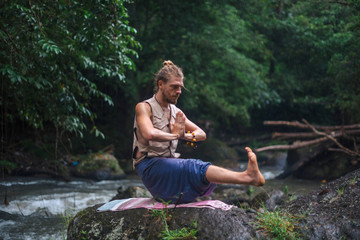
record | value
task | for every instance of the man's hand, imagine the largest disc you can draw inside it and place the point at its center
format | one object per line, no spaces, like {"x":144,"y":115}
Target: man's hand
{"x":179,"y":126}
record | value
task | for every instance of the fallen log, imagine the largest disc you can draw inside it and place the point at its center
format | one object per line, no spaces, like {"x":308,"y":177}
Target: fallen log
{"x":285,"y":136}
{"x":307,"y":145}
{"x":325,"y":136}
{"x":297,"y":124}
{"x":332,"y":138}
{"x":309,"y":135}
{"x":295,"y":145}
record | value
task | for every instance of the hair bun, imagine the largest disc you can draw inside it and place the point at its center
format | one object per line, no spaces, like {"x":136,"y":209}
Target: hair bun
{"x":167,"y":63}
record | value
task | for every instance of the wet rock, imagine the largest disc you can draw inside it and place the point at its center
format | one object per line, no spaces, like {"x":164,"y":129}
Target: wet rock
{"x":231,"y":194}
{"x":98,"y":166}
{"x":270,"y":201}
{"x":131,"y":192}
{"x":328,"y":165}
{"x":258,"y":200}
{"x":275,"y":200}
{"x":139,"y":224}
{"x":316,"y":162}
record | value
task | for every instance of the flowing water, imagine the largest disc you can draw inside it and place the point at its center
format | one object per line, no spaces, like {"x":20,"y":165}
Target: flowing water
{"x":37,"y":208}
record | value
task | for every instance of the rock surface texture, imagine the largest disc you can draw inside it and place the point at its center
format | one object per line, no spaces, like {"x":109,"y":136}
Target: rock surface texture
{"x":331,"y":212}
{"x":139,"y":224}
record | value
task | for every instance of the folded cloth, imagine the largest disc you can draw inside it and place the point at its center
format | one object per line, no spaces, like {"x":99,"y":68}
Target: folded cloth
{"x":150,"y":203}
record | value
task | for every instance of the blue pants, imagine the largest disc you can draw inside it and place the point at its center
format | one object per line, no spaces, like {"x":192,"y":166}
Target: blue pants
{"x":176,"y":179}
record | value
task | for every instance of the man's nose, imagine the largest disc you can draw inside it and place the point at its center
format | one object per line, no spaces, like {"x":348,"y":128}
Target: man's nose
{"x":178,"y":91}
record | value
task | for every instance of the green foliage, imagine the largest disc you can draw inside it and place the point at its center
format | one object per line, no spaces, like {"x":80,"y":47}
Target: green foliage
{"x":54,"y":56}
{"x":353,"y":181}
{"x":183,"y":233}
{"x":251,"y":191}
{"x":67,"y":216}
{"x":6,"y":166}
{"x":246,"y":61}
{"x":340,"y":191}
{"x":167,"y":234}
{"x":63,"y":64}
{"x":277,"y":224}
{"x":286,"y":190}
{"x":221,"y":54}
{"x":315,"y":66}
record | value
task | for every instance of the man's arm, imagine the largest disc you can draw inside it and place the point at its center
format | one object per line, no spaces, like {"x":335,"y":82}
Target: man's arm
{"x":147,"y":130}
{"x":195,"y":131}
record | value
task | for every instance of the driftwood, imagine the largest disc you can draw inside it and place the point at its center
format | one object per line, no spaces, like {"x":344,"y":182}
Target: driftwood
{"x":320,"y":139}
{"x":295,"y":145}
{"x":309,"y":135}
{"x":331,"y":133}
{"x":297,"y":124}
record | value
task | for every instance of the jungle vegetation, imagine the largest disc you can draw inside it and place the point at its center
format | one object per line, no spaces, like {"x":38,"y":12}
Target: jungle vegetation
{"x":73,"y":70}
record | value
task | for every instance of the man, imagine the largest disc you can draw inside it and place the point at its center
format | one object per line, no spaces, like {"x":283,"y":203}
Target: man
{"x":158,"y":126}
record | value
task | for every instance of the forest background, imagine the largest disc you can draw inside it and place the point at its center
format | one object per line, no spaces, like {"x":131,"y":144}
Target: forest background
{"x":72,"y":71}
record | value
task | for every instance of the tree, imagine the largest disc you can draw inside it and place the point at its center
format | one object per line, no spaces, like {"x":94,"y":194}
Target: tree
{"x":315,"y":64}
{"x":55,"y":54}
{"x":223,"y":58}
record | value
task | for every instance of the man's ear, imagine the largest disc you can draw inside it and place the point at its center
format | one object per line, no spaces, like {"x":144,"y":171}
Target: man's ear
{"x":160,"y":83}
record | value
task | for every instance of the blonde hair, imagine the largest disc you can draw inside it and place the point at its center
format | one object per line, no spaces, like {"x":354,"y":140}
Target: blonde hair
{"x":168,"y":70}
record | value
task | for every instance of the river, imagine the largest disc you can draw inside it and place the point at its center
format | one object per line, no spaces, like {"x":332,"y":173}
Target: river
{"x":37,"y":207}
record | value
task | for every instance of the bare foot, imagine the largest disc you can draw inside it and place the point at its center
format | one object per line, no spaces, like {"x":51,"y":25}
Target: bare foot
{"x":253,"y":169}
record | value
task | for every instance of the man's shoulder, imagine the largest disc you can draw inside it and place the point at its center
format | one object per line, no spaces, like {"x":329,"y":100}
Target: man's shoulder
{"x":142,"y":107}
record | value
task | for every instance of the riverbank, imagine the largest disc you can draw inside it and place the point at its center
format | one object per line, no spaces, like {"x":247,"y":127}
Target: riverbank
{"x":38,"y":205}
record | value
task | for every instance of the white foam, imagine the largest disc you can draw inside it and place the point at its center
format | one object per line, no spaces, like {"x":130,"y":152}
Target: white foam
{"x":56,"y":204}
{"x":13,"y":183}
{"x":32,"y":236}
{"x":268,"y":175}
{"x":5,"y":223}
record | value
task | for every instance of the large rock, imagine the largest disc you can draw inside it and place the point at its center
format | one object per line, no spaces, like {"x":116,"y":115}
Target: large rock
{"x":316,"y":162}
{"x":131,"y":192}
{"x":331,"y":212}
{"x":97,"y":166}
{"x":138,"y":224}
{"x":328,"y":165}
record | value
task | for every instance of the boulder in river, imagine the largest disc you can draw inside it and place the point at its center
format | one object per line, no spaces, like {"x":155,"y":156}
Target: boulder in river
{"x":97,"y":166}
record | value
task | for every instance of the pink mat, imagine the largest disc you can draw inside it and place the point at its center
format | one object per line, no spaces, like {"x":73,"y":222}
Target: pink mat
{"x":150,"y":203}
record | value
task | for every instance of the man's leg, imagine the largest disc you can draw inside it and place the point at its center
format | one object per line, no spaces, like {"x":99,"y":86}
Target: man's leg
{"x":251,"y":176}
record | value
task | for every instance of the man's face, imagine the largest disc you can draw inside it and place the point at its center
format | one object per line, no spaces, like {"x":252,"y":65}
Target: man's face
{"x":172,"y":89}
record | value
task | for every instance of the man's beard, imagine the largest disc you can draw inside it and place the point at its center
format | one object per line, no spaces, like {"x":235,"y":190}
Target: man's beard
{"x":169,"y":99}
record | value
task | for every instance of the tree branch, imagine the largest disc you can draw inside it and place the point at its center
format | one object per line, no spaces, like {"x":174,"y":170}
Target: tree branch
{"x":295,"y":145}
{"x":304,"y":126}
{"x":332,"y":138}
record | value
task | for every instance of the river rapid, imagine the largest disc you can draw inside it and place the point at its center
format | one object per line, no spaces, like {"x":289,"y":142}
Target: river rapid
{"x":37,"y":208}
